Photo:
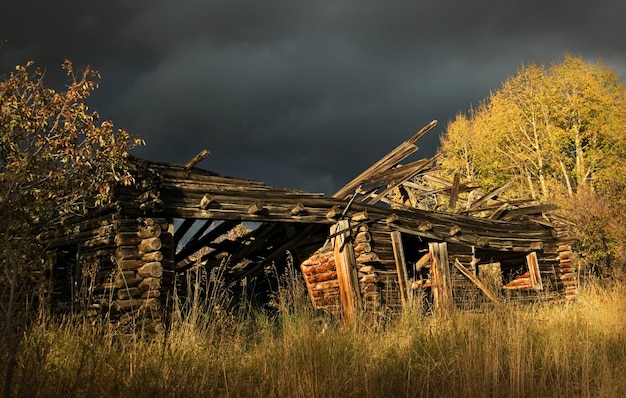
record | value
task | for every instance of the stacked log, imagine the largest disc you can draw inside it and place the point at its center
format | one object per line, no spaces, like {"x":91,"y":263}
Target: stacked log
{"x":366,"y":260}
{"x":567,"y":275}
{"x":134,"y":291}
{"x":320,"y":276}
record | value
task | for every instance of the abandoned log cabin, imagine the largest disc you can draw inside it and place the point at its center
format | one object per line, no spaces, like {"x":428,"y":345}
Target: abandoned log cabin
{"x":358,"y":250}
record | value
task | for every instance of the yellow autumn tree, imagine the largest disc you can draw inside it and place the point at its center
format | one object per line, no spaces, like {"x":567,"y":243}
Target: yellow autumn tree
{"x":558,"y":127}
{"x":556,"y":131}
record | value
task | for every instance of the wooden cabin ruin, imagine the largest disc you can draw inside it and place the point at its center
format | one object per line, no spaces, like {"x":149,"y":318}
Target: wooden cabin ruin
{"x":357,"y":250}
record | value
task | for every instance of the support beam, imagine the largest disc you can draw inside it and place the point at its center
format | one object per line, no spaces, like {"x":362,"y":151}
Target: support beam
{"x":440,"y":278}
{"x":200,"y":241}
{"x":183,"y":229}
{"x":454,"y":193}
{"x":346,"y":271}
{"x":398,"y":254}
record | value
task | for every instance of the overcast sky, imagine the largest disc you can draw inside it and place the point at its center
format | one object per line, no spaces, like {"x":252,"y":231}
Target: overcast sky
{"x":301,"y":94}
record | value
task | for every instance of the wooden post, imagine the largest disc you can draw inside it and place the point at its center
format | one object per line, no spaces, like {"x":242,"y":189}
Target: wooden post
{"x":440,"y":278}
{"x":346,"y":271}
{"x":398,"y":254}
{"x":533,"y":271}
{"x":454,"y":193}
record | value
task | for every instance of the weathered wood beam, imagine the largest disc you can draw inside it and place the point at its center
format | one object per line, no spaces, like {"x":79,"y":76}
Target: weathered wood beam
{"x":410,"y":172}
{"x":183,"y":229}
{"x":333,"y":213}
{"x":345,"y":263}
{"x":200,"y":231}
{"x":490,"y":195}
{"x":398,"y":254}
{"x":533,"y":271}
{"x":454,"y":193}
{"x":196,"y":159}
{"x":304,"y":235}
{"x":397,"y":174}
{"x":490,"y":295}
{"x":360,"y":216}
{"x":391,"y":159}
{"x":201,"y":241}
{"x":440,"y":278}
{"x":524,"y":211}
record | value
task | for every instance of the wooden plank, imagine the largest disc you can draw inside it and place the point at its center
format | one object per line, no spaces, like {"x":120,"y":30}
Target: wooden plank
{"x":533,"y":270}
{"x":490,"y":295}
{"x":345,"y":262}
{"x":454,"y":193}
{"x":398,"y":174}
{"x":391,"y":159}
{"x":523,"y":211}
{"x":440,"y":277}
{"x":490,"y":195}
{"x":398,"y":252}
{"x":409,"y":172}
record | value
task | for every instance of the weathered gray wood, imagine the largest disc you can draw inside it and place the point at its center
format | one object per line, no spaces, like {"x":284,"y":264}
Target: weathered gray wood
{"x":127,"y":239}
{"x":333,"y":213}
{"x":454,"y":192}
{"x":440,"y":278}
{"x":206,"y":201}
{"x":126,"y":293}
{"x":80,"y":236}
{"x":490,"y":295}
{"x":403,"y":281}
{"x":196,"y":159}
{"x":490,"y":195}
{"x":196,"y":244}
{"x":391,"y":159}
{"x":153,"y":269}
{"x":256,"y":208}
{"x":150,"y":283}
{"x":150,"y":245}
{"x":345,"y":263}
{"x":410,"y":172}
{"x":181,"y":230}
{"x":297,"y":209}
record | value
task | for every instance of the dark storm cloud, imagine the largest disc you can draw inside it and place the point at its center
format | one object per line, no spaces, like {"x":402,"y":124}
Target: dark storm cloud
{"x":302,"y":94}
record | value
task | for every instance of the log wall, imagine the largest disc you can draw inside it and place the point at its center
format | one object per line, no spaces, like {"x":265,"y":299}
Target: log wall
{"x":120,"y":269}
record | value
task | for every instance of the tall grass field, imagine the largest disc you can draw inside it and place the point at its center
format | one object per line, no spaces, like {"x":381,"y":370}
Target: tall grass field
{"x":545,"y":349}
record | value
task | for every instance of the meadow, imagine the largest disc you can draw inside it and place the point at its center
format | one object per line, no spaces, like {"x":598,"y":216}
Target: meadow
{"x":544,"y":349}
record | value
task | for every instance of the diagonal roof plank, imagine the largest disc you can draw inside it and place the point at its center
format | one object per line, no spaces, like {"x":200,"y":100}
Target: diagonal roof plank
{"x":385,"y":163}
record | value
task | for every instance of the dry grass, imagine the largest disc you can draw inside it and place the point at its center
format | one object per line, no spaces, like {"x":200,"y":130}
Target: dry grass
{"x":538,"y":350}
